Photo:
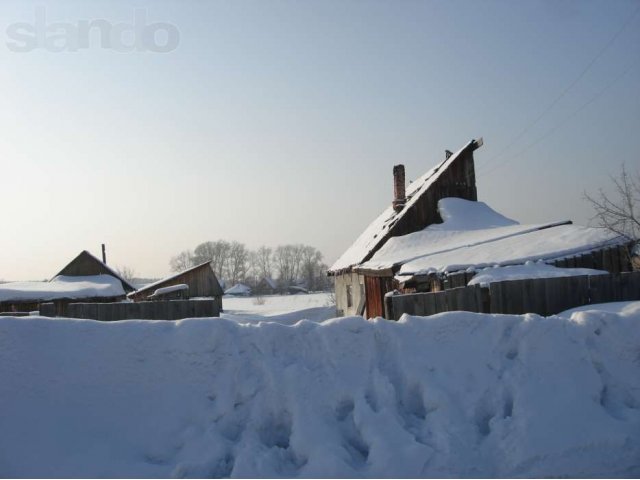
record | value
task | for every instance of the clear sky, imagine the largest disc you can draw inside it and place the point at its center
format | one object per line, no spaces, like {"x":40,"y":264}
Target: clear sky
{"x":279,"y":122}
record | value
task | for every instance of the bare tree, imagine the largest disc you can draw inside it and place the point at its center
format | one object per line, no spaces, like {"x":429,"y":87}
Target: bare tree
{"x":215,"y":252}
{"x":618,"y":212}
{"x":263,"y":262}
{"x":237,"y":262}
{"x":182,"y":261}
{"x":126,"y":272}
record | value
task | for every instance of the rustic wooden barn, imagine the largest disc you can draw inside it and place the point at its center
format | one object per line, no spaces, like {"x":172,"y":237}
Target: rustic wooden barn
{"x":86,"y":264}
{"x":413,"y":208}
{"x":83,"y":267}
{"x":396,"y":253}
{"x":201,"y":279}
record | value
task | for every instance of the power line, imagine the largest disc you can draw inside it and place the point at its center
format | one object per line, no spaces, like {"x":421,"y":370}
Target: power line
{"x":563,"y":122}
{"x":566,"y":90}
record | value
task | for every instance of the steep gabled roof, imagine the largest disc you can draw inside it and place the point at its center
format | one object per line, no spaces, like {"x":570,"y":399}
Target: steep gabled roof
{"x":86,"y":264}
{"x":379,"y":231}
{"x":155,"y":285}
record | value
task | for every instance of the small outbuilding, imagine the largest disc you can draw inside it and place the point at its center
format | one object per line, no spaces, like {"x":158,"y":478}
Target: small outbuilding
{"x":435,"y":236}
{"x":201,"y":281}
{"x":85,"y":279}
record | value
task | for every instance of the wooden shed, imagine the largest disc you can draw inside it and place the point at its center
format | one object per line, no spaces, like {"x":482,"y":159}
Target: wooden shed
{"x":85,"y":278}
{"x":412,"y":208}
{"x":86,"y":264}
{"x":409,"y":248}
{"x":201,"y":279}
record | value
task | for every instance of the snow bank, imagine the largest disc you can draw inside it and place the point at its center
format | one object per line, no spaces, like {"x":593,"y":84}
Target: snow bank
{"x":91,"y":286}
{"x":283,"y":309}
{"x":527,"y":271}
{"x":456,"y":394}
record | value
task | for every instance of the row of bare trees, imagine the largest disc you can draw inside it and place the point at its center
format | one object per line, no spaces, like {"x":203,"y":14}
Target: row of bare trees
{"x":233,"y":262}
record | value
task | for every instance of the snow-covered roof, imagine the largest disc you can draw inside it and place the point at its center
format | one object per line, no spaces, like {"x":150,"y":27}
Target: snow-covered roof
{"x":172,"y":288}
{"x":62,"y":287}
{"x":238,"y":289}
{"x":465,"y":223}
{"x":89,"y":264}
{"x":547,"y":244}
{"x":475,"y":236}
{"x":375,"y":233}
{"x":152,"y":286}
{"x":527,"y":271}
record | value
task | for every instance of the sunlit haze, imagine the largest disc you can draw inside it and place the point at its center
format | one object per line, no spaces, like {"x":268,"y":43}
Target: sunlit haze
{"x":277,"y":122}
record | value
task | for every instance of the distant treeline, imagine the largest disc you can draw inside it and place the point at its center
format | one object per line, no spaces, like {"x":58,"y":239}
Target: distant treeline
{"x":234,"y":263}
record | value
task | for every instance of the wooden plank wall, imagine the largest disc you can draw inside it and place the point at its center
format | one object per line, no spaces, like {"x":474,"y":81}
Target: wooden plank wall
{"x":161,"y":310}
{"x":202,"y":283}
{"x":544,"y":296}
{"x":612,"y":259}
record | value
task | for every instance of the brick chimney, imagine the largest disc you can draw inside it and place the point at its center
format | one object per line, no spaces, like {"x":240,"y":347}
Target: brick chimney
{"x":399,"y":197}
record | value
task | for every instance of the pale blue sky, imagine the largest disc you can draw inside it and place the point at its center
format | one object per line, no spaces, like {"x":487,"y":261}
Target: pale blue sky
{"x":279,"y":121}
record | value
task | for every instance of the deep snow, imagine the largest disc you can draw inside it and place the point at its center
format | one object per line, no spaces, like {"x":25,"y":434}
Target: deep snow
{"x":75,"y":287}
{"x":283,"y":309}
{"x":456,"y":394}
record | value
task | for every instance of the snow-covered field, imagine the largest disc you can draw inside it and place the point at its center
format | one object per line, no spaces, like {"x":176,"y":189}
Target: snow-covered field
{"x":456,"y":394}
{"x":283,"y":309}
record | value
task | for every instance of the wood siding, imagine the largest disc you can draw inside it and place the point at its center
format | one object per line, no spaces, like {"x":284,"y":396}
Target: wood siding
{"x":202,"y":282}
{"x":544,"y":296}
{"x":458,"y":180}
{"x":375,"y":290}
{"x":87,"y":264}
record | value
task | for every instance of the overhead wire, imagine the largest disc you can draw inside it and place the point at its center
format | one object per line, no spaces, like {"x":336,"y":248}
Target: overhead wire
{"x":562,"y":122}
{"x":584,"y":71}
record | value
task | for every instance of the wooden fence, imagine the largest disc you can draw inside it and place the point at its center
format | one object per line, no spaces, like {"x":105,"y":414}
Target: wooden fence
{"x":544,"y":296}
{"x":160,"y":310}
{"x":614,"y":259}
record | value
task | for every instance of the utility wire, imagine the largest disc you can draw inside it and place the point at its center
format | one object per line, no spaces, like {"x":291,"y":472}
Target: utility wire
{"x":563,"y":122}
{"x":566,"y":90}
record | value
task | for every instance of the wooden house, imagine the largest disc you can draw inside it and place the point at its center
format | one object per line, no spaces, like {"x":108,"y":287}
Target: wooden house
{"x":201,"y":280}
{"x":412,"y":209}
{"x":85,"y":279}
{"x":437,"y":236}
{"x":86,"y":264}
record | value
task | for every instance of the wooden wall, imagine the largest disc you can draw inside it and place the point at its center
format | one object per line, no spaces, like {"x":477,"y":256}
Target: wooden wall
{"x":544,"y":296}
{"x":457,"y":181}
{"x":614,"y":259}
{"x":160,"y":310}
{"x":202,"y":283}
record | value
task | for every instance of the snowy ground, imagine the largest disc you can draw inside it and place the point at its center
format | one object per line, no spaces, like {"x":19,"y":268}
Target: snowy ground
{"x":456,"y":394}
{"x":283,"y":309}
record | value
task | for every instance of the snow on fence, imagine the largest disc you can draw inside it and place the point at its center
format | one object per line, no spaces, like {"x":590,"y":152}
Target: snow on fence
{"x":544,"y":296}
{"x":157,"y":310}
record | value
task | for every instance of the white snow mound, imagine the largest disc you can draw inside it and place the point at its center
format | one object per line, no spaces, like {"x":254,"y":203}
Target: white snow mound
{"x":456,"y":394}
{"x":76,"y":287}
{"x":460,"y":214}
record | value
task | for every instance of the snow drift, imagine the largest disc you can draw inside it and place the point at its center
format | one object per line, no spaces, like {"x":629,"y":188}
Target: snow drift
{"x":74,"y":287}
{"x":456,"y":394}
